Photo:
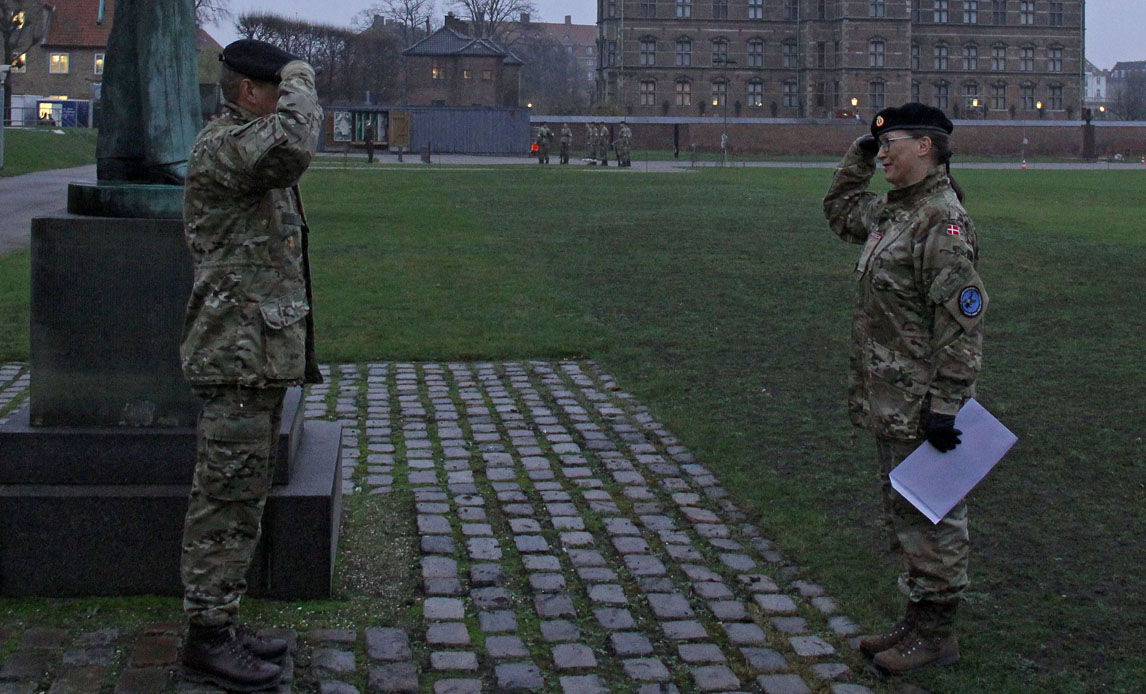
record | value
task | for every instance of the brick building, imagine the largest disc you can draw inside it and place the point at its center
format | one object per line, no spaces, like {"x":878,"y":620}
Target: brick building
{"x":579,"y":39}
{"x":1012,"y":59}
{"x":451,"y":68}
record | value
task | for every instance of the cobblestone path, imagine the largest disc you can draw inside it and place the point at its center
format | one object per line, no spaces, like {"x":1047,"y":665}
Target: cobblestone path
{"x":569,"y":543}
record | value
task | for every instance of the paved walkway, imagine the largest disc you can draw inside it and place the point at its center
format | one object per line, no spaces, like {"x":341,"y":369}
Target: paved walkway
{"x":34,"y":195}
{"x":570,"y":543}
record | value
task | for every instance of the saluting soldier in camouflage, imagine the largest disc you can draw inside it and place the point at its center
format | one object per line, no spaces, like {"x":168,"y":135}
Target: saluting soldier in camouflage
{"x":248,"y":335}
{"x":916,"y":353}
{"x":624,"y":145}
{"x":544,"y":137}
{"x":566,"y":142}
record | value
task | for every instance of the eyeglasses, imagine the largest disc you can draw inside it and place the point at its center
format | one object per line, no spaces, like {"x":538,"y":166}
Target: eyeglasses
{"x":885,"y":142}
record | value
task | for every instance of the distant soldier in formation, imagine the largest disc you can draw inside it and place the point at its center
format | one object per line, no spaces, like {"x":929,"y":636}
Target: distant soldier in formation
{"x":368,"y":136}
{"x":603,"y":144}
{"x":591,"y":142}
{"x":566,"y":142}
{"x":544,"y":137}
{"x":624,"y":145}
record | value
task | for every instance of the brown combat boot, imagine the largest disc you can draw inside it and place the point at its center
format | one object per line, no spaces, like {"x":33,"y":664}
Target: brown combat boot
{"x":213,"y":655}
{"x":898,"y":631}
{"x":931,"y":642}
{"x":267,"y":648}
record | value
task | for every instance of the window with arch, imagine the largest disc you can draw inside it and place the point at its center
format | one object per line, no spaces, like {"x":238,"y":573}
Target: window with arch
{"x":1054,"y":59}
{"x":683,"y":8}
{"x":720,"y":51}
{"x":720,"y":93}
{"x":790,"y":97}
{"x":755,"y":53}
{"x":999,"y":96}
{"x":876,"y":91}
{"x":756,"y":9}
{"x":875,"y":53}
{"x":971,"y":57}
{"x":999,"y":57}
{"x":789,"y":54}
{"x":684,"y":51}
{"x":1027,"y":59}
{"x":1027,"y":96}
{"x":720,"y":9}
{"x":648,"y":54}
{"x":683,"y":93}
{"x":648,"y":93}
{"x":755,"y":93}
{"x":971,"y":94}
{"x":939,"y":53}
{"x":942,"y":96}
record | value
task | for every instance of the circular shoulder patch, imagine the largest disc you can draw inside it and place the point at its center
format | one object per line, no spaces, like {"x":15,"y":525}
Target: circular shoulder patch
{"x":879,"y":121}
{"x":971,"y":301}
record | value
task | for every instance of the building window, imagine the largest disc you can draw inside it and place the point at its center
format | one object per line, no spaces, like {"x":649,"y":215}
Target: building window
{"x":720,"y":93}
{"x":1054,"y":59}
{"x":648,"y":51}
{"x":1027,"y":12}
{"x":940,"y":57}
{"x":612,"y":9}
{"x":684,"y":8}
{"x":970,"y":11}
{"x":999,"y":97}
{"x":1056,"y":14}
{"x":756,"y":9}
{"x":790,"y":97}
{"x":915,"y":56}
{"x":1027,"y":59}
{"x":970,"y":94}
{"x":487,"y":75}
{"x":999,"y":9}
{"x":720,"y":9}
{"x":998,"y":58}
{"x":1027,"y":97}
{"x":877,"y":8}
{"x":791,"y":10}
{"x":755,"y":93}
{"x":822,"y":9}
{"x":684,"y":93}
{"x":436,"y":71}
{"x":1054,"y":97}
{"x":720,"y":52}
{"x":755,"y":53}
{"x":917,"y":11}
{"x":648,"y":93}
{"x":970,"y":57}
{"x":875,"y":94}
{"x":941,"y":96}
{"x":58,"y":63}
{"x":789,"y":54}
{"x":97,"y":68}
{"x":684,"y":52}
{"x":649,"y":8}
{"x":821,"y":54}
{"x":612,"y":54}
{"x":915,"y":92}
{"x":467,"y":74}
{"x":821,"y":94}
{"x":939,"y":14}
{"x":875,"y":53}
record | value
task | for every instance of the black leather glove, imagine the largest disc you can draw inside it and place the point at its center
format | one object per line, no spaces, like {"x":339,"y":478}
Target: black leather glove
{"x":941,"y":432}
{"x":869,"y":145}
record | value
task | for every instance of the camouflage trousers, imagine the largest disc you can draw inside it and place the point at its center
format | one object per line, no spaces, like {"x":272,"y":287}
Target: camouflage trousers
{"x":934,"y":555}
{"x":564,"y":152}
{"x":237,"y":448}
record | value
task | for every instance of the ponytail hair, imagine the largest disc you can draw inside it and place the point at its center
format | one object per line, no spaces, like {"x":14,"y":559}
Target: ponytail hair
{"x":941,"y":142}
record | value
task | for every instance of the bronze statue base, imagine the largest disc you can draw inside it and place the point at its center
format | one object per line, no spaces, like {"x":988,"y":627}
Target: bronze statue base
{"x":138,"y":200}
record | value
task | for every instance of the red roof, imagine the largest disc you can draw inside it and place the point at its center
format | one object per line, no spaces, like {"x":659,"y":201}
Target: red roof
{"x":579,"y":34}
{"x":73,"y":23}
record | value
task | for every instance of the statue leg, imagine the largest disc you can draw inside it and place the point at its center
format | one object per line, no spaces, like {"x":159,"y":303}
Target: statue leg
{"x":119,"y":147}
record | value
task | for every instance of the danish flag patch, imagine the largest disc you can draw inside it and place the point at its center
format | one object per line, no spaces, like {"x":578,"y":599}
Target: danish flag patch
{"x":954,"y":230}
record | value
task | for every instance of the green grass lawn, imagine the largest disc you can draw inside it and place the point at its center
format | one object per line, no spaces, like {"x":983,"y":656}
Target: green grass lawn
{"x":720,"y":299}
{"x":39,"y":149}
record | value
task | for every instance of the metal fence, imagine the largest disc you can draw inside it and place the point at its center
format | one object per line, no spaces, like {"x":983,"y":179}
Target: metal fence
{"x":473,"y":130}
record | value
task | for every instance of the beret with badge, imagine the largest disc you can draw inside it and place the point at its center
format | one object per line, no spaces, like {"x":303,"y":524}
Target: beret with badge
{"x":913,"y":116}
{"x":256,"y":59}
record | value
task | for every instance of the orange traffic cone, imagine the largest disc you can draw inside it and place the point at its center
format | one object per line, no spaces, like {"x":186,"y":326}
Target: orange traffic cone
{"x":1024,"y":165}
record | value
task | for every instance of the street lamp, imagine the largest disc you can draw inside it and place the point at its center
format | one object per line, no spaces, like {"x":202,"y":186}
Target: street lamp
{"x":1039,"y":108}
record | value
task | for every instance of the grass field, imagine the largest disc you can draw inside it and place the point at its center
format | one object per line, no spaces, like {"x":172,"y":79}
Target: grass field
{"x":38,"y":149}
{"x":719,"y":298}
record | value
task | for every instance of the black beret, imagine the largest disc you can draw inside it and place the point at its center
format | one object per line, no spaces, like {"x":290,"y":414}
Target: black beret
{"x":913,"y":116}
{"x":256,"y":59}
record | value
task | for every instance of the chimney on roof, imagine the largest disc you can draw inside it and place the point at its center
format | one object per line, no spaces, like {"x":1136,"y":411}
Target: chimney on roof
{"x":568,"y":19}
{"x":525,"y":18}
{"x":458,"y":25}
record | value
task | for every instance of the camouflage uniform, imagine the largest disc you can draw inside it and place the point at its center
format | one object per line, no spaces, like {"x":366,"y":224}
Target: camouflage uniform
{"x":248,"y":333}
{"x":566,"y":142}
{"x":603,"y":144}
{"x":544,"y":137}
{"x":917,"y":344}
{"x":624,"y":145}
{"x":591,"y":142}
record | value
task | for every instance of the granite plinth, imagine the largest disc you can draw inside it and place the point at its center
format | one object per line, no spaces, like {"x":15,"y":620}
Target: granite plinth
{"x":89,"y":540}
{"x":120,"y":455}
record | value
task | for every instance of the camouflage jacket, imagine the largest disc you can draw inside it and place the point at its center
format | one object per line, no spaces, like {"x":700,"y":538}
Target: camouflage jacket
{"x":248,"y":319}
{"x":566,"y":135}
{"x":917,"y":335}
{"x":544,"y":136}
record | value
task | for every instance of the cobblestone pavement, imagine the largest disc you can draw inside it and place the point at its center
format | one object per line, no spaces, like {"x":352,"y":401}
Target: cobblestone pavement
{"x":569,"y":543}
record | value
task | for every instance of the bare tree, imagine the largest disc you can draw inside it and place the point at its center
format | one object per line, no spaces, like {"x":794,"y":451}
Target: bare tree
{"x":1130,"y":97}
{"x":409,"y":17}
{"x":211,"y":11}
{"x":21,"y":27}
{"x":495,"y":19}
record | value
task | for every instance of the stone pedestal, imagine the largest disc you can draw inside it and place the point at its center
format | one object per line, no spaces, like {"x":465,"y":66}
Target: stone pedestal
{"x":95,"y":470}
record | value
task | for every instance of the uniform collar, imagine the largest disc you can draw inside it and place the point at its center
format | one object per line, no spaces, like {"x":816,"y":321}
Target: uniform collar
{"x":237,"y":112}
{"x":934,"y":180}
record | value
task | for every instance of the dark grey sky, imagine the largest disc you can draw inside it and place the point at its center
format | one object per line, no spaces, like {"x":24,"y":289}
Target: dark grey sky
{"x":1114,"y":27}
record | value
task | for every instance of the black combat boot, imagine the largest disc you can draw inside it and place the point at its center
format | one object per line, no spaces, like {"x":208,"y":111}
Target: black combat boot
{"x":267,"y":648}
{"x":213,"y":655}
{"x":898,"y":631}
{"x":931,"y":642}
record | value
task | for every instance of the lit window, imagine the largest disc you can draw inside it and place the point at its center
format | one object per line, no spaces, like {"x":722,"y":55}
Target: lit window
{"x":719,"y":93}
{"x":436,"y":71}
{"x":58,"y":64}
{"x":467,"y":74}
{"x":755,"y":93}
{"x":98,"y":69}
